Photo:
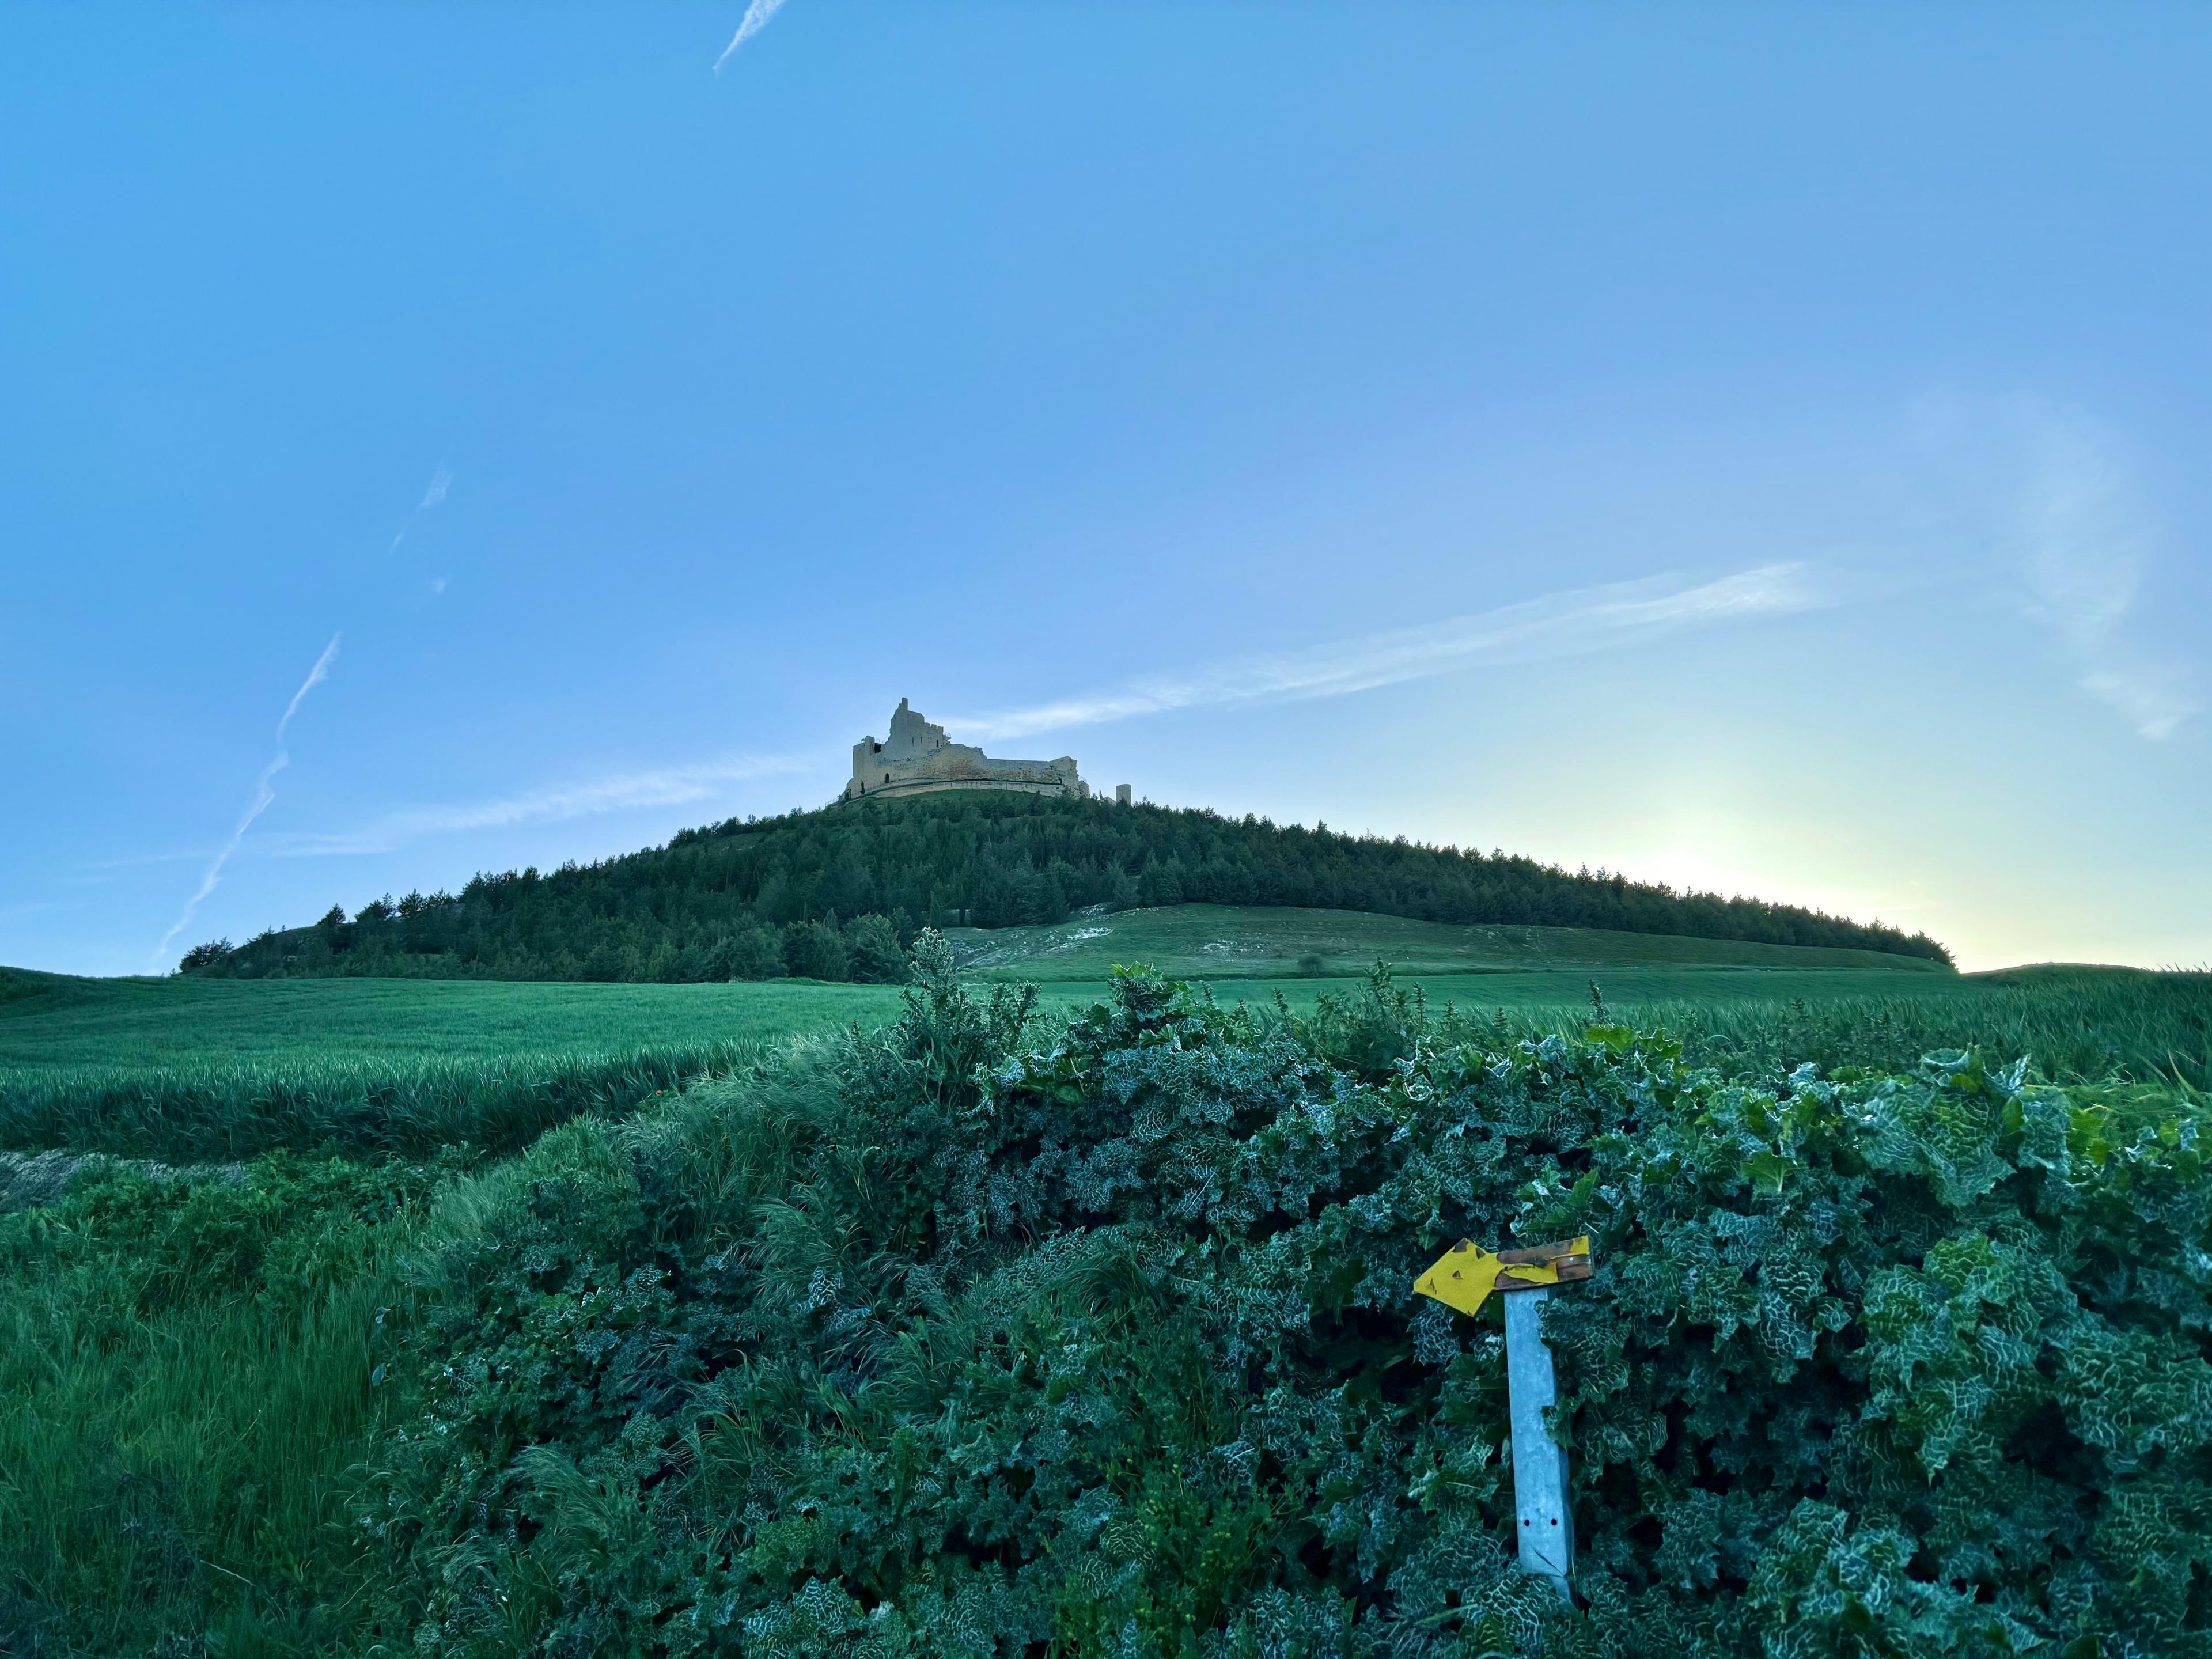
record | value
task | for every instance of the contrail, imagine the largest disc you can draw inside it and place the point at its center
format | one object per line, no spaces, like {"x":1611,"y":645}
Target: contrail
{"x":264,"y":792}
{"x":1583,"y":619}
{"x":440,"y":482}
{"x":755,"y":19}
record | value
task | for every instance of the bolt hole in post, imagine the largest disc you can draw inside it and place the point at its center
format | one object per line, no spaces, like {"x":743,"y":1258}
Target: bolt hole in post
{"x":1463,"y":1279}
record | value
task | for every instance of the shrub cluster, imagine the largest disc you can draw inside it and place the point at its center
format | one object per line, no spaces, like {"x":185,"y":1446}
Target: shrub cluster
{"x":976,"y":1335}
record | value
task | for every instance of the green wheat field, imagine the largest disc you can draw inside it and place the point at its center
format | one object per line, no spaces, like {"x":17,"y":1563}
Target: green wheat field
{"x":187,"y":1068}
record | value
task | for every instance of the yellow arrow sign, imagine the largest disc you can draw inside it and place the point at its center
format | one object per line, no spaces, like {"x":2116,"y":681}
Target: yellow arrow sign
{"x":1464,"y":1276}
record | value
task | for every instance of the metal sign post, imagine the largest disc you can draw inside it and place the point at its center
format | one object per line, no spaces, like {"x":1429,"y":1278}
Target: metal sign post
{"x":1464,"y":1279}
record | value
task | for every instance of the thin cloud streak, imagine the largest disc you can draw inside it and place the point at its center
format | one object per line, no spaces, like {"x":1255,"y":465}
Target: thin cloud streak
{"x":440,"y":482}
{"x":671,"y":786}
{"x":264,"y":791}
{"x":2154,"y":698}
{"x":316,"y":676}
{"x":1584,"y":619}
{"x":181,"y":855}
{"x":2087,"y":540}
{"x":755,"y":19}
{"x":38,"y":907}
{"x":2076,"y":544}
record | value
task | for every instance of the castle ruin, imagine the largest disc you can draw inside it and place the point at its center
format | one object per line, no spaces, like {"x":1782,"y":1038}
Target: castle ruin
{"x":916,"y":759}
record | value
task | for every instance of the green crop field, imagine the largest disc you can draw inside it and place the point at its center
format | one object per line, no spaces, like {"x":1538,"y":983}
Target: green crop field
{"x":185,"y":1068}
{"x":192,"y":1068}
{"x":52,"y":1021}
{"x":200,"y":1068}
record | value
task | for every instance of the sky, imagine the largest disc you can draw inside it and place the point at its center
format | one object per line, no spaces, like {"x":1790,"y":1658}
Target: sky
{"x":1760,"y":449}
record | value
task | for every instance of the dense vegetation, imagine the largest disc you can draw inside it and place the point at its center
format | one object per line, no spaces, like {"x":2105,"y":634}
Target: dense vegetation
{"x":835,"y":894}
{"x":992,"y":1330}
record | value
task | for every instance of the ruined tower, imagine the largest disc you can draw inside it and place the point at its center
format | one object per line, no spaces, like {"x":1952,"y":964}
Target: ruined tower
{"x":917,"y":759}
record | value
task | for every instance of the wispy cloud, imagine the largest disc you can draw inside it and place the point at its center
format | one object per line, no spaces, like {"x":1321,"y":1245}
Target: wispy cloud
{"x":670,"y":785}
{"x":755,"y":19}
{"x":2154,"y":698}
{"x":9,"y":912}
{"x":180,"y":855}
{"x":1581,"y":620}
{"x":434,"y":495}
{"x":2087,"y":540}
{"x":264,"y":791}
{"x":2077,"y":542}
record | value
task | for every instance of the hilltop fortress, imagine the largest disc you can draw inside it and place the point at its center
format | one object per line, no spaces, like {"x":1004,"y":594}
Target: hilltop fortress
{"x":916,"y":759}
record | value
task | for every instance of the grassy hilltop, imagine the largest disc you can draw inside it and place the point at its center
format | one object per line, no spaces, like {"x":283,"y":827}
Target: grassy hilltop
{"x":837,"y":894}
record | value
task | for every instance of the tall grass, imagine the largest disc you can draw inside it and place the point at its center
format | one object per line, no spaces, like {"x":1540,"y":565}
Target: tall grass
{"x":207,"y":1112}
{"x":182,"y":1472}
{"x":186,"y":1374}
{"x":2071,"y":1025}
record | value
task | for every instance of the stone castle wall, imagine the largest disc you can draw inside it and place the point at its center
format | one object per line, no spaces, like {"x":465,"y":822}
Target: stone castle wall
{"x":917,"y":758}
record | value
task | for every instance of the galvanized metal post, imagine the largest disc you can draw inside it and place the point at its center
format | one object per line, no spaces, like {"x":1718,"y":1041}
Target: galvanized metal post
{"x":1540,"y":1465}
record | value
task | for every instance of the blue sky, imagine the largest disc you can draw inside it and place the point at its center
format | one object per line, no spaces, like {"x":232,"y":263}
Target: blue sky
{"x":1764,"y":449}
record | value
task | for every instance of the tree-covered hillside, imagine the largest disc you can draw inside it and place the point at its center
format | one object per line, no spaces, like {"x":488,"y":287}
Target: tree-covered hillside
{"x":835,"y":894}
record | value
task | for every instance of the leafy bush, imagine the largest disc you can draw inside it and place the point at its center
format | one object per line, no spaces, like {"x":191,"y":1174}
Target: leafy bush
{"x":816,"y":950}
{"x":876,"y":956}
{"x":755,"y":953}
{"x":203,"y":956}
{"x":976,"y":1335}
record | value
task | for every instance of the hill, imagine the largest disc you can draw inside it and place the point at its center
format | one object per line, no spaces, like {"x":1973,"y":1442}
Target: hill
{"x":836,"y":894}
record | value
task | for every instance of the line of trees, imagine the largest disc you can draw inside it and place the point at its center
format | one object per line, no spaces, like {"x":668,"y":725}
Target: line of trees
{"x":750,"y":898}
